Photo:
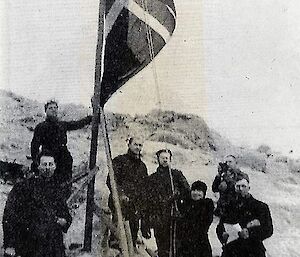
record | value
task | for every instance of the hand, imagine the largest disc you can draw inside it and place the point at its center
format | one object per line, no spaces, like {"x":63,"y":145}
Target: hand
{"x":176,"y":215}
{"x":61,"y":221}
{"x":146,"y":233}
{"x":10,"y":251}
{"x":225,"y":237}
{"x":244,"y":234}
{"x":223,"y":186}
{"x":124,"y":198}
{"x":253,"y":223}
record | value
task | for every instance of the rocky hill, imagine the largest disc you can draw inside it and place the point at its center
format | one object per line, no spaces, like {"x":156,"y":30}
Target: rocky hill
{"x":197,"y":150}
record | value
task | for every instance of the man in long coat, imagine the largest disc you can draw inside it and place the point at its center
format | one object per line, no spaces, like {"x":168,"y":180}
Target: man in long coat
{"x":51,"y":135}
{"x":166,"y":188}
{"x":255,"y":220}
{"x":130,"y":175}
{"x":36,"y":215}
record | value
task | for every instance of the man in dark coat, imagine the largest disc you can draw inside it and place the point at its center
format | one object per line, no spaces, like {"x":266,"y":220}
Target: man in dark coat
{"x":36,"y":215}
{"x":255,"y":221}
{"x":167,"y":187}
{"x":51,"y":135}
{"x":224,"y":184}
{"x":130,"y":174}
{"x":197,"y":216}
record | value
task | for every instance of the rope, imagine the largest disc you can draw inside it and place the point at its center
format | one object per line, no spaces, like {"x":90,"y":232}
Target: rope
{"x":152,"y":54}
{"x":172,"y":250}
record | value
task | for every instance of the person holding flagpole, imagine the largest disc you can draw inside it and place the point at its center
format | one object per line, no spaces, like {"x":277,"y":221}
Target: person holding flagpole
{"x":167,"y":188}
{"x":130,"y":175}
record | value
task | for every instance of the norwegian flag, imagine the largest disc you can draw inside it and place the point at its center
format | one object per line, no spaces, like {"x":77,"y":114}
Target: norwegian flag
{"x":135,"y":31}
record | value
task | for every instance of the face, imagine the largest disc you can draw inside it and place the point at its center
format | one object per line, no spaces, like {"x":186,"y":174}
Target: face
{"x":242,"y":187}
{"x":164,"y":159}
{"x":52,"y":110}
{"x":196,"y":195}
{"x":136,"y":146}
{"x":231,"y":162}
{"x":47,"y":166}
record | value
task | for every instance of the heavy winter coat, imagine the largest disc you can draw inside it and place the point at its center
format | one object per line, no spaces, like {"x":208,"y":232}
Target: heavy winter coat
{"x":160,"y":201}
{"x":227,"y":197}
{"x":130,"y":175}
{"x":249,"y":209}
{"x":51,"y":135}
{"x":30,"y":219}
{"x":197,"y":217}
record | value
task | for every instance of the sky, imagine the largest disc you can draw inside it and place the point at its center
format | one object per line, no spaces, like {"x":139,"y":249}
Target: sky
{"x":235,"y":63}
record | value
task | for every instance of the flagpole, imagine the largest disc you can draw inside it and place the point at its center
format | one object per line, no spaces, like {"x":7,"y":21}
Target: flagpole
{"x":88,"y":229}
{"x":97,"y":111}
{"x":121,"y":226}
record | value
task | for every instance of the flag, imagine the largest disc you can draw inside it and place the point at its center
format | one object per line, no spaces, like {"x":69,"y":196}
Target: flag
{"x":134,"y":33}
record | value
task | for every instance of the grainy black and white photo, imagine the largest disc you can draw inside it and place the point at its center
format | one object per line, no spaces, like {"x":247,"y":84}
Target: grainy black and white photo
{"x":149,"y":128}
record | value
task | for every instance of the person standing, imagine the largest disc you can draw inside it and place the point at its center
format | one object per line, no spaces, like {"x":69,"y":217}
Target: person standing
{"x":130,"y":175}
{"x":167,"y":187}
{"x":197,"y":216}
{"x":255,"y":220}
{"x":51,"y":135}
{"x":224,"y":184}
{"x":36,"y":215}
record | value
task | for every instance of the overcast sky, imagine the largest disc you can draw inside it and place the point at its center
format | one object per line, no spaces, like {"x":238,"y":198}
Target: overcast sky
{"x":236,"y":63}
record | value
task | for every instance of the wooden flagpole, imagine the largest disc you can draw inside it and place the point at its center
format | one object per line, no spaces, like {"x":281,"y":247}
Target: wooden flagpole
{"x":114,"y":191}
{"x":97,"y":111}
{"x":88,"y":230}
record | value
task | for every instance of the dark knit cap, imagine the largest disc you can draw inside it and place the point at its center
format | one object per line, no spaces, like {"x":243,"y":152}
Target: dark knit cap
{"x":199,"y":185}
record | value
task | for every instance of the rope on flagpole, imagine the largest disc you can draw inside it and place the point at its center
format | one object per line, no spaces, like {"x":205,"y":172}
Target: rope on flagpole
{"x":172,"y":250}
{"x":152,"y":54}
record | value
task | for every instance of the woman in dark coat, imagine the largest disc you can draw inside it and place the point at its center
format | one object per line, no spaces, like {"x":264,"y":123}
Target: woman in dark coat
{"x":197,"y":216}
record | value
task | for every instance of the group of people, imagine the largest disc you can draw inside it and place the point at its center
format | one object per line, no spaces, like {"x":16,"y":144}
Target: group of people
{"x":181,"y":216}
{"x":36,"y":214}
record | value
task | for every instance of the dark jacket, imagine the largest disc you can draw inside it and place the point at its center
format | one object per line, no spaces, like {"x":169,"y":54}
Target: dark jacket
{"x":226,"y":202}
{"x":160,"y":197}
{"x":249,"y":209}
{"x":52,"y":135}
{"x":197,"y":217}
{"x":229,"y":177}
{"x":29,"y":219}
{"x":130,"y":174}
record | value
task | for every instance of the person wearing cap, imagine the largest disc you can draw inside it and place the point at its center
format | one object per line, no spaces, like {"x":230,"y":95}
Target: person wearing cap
{"x":167,"y":187}
{"x":36,"y":215}
{"x":255,"y":220}
{"x":51,"y":135}
{"x":130,"y":175}
{"x":224,"y":184}
{"x":197,"y":216}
